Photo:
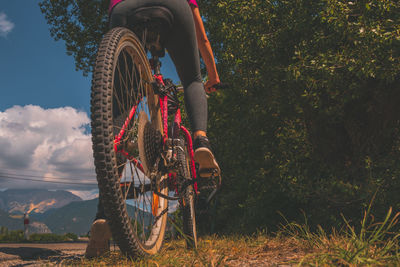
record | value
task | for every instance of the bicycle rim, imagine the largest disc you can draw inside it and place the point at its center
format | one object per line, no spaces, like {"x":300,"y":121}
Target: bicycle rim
{"x":120,"y":92}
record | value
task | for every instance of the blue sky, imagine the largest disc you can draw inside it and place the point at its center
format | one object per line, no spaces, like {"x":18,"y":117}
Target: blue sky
{"x":35,"y":69}
{"x":44,"y":103}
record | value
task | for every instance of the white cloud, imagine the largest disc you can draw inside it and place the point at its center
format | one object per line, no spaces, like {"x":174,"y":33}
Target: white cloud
{"x":45,"y":144}
{"x":6,"y":26}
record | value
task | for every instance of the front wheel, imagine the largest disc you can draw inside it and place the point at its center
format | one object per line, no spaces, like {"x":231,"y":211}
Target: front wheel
{"x":123,"y":103}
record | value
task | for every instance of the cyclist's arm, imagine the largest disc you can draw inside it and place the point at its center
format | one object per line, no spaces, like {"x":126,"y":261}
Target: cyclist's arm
{"x":205,"y":50}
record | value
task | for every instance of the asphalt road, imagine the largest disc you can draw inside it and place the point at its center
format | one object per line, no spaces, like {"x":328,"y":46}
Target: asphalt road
{"x":28,"y":254}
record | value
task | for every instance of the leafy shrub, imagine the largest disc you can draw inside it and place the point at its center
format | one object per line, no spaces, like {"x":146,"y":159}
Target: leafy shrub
{"x":11,"y":236}
{"x":71,"y":236}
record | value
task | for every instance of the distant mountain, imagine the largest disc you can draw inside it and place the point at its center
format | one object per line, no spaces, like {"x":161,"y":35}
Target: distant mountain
{"x":11,"y":223}
{"x":76,"y":217}
{"x":39,"y":228}
{"x":19,"y":201}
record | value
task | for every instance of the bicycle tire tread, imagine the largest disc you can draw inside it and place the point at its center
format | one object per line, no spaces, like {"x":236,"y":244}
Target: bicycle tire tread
{"x":103,"y":145}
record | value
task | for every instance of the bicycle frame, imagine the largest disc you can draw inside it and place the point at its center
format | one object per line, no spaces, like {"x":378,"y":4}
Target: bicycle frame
{"x":177,"y":128}
{"x":177,"y":125}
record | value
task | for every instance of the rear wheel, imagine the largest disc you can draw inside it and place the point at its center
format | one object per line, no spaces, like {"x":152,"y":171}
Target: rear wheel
{"x":125,"y":113}
{"x":187,"y":203}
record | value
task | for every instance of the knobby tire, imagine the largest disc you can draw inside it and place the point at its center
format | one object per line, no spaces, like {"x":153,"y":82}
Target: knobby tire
{"x":109,"y":165}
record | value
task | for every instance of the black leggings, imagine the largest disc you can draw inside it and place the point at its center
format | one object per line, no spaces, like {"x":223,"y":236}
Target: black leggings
{"x":181,"y":45}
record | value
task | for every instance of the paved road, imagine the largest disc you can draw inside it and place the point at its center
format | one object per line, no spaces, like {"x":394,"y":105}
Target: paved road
{"x":26,"y":254}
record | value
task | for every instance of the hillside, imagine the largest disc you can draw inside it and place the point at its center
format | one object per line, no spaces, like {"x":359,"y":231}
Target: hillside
{"x":11,"y":223}
{"x":19,"y":201}
{"x":75,"y":217}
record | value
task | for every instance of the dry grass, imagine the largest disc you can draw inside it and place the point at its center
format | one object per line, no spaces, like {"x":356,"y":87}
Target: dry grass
{"x":259,"y":250}
{"x":294,"y":246}
{"x":373,"y":244}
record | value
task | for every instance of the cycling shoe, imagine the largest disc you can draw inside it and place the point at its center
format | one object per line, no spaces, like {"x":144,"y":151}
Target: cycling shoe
{"x":203,"y":155}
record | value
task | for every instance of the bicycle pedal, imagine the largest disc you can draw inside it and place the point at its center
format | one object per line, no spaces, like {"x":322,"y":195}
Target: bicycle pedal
{"x":206,"y":183}
{"x":208,"y":173}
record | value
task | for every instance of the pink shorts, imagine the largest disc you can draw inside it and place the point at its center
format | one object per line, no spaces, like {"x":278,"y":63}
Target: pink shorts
{"x":193,"y":2}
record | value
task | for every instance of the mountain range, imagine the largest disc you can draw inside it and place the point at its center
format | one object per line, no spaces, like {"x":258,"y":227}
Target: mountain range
{"x":43,"y":207}
{"x":20,"y":201}
{"x":76,"y":216}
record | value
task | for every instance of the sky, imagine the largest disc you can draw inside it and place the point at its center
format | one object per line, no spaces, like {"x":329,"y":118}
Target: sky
{"x":44,"y":106}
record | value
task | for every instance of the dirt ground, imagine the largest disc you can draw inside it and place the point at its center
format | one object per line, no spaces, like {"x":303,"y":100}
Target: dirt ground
{"x":235,"y":254}
{"x":26,"y":254}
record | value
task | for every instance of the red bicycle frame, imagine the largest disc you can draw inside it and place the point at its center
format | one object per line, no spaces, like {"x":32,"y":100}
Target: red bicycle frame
{"x":177,"y":126}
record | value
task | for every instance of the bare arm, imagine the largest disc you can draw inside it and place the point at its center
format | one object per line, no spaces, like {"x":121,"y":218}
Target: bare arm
{"x":205,"y":50}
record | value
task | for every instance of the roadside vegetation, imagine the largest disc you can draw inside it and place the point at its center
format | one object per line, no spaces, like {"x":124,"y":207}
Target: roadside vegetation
{"x":17,"y":236}
{"x":369,"y":243}
{"x":310,"y":122}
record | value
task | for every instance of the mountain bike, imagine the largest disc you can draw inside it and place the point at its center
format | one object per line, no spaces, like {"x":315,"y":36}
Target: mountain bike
{"x":143,"y":154}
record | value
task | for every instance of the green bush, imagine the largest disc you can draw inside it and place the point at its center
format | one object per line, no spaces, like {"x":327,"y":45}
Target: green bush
{"x":310,"y":120}
{"x":71,"y":236}
{"x":47,"y":238}
{"x":11,"y":236}
{"x":17,"y":236}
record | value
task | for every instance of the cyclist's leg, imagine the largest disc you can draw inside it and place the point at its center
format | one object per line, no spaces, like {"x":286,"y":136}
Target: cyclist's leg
{"x":99,"y":234}
{"x":182,"y":47}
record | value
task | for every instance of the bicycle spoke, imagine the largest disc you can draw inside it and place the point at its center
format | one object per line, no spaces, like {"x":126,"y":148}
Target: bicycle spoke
{"x":128,"y":82}
{"x":115,"y":90}
{"x":122,"y":77}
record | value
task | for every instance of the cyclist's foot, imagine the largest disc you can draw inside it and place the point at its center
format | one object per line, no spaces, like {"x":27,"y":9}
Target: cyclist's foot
{"x":203,"y":155}
{"x":100,"y":235}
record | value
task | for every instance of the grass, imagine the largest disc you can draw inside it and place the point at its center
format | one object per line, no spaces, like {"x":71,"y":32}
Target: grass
{"x":373,"y":244}
{"x":259,"y":250}
{"x":370,"y":244}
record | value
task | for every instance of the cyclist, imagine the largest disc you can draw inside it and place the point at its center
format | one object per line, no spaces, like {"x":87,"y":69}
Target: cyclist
{"x":186,"y":37}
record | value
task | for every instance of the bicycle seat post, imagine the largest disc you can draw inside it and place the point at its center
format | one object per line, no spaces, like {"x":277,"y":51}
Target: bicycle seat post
{"x":155,"y":65}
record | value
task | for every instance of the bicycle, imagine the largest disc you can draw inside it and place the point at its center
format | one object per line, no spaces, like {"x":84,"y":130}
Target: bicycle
{"x":142,"y":160}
